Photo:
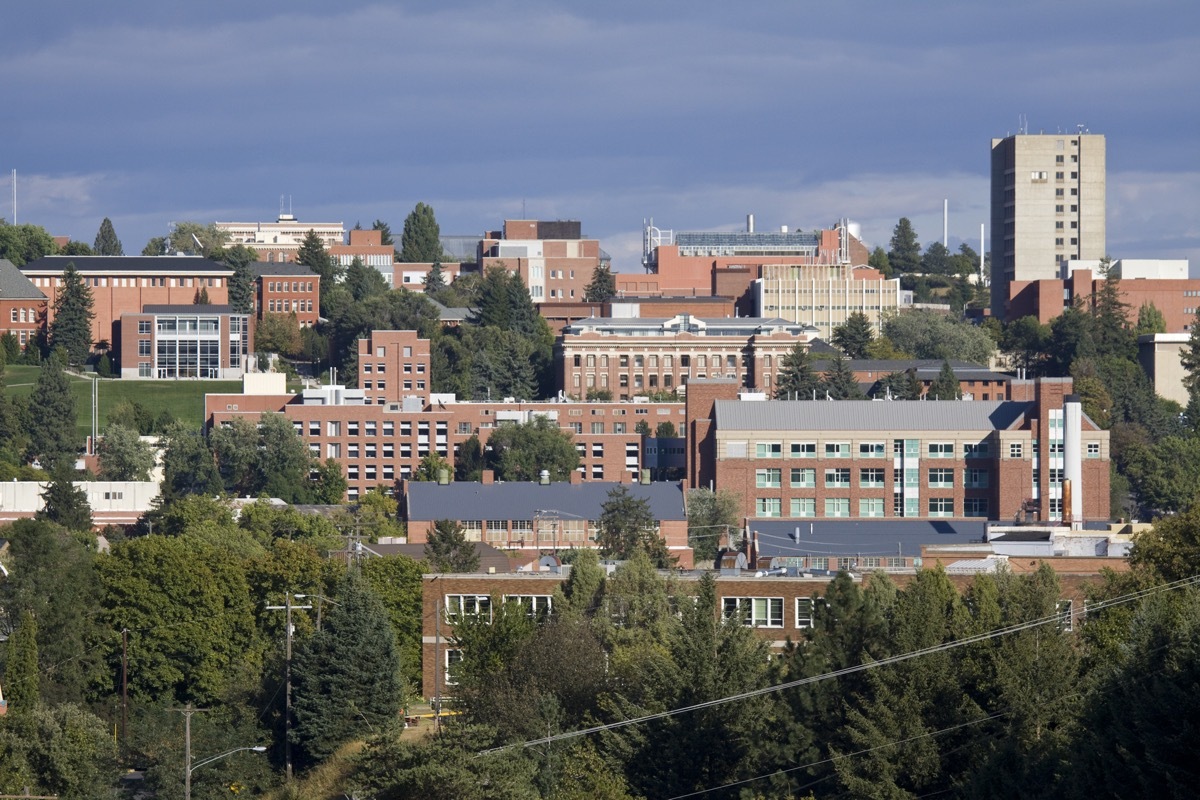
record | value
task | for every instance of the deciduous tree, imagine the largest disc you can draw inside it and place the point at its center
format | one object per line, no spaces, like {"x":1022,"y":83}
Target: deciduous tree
{"x":627,"y":525}
{"x":519,"y":452}
{"x":712,"y":520}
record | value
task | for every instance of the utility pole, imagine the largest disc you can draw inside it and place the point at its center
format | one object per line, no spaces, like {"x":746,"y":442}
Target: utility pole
{"x":124,"y":689}
{"x":187,"y":712}
{"x":287,"y":679}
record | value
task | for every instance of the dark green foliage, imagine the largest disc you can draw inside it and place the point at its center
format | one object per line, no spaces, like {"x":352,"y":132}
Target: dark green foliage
{"x":52,"y":428}
{"x":1113,"y":336}
{"x":899,"y":386}
{"x":435,"y":280}
{"x":104,"y":366}
{"x":107,"y":243}
{"x":643,"y":428}
{"x":63,"y":751}
{"x":201,"y":297}
{"x":603,"y":286}
{"x":666,"y":430}
{"x":712,"y":518}
{"x":1026,"y":342}
{"x":447,"y":548}
{"x":22,"y":676}
{"x":879,"y":260}
{"x":468,"y":463}
{"x":241,"y":283}
{"x":312,"y":254}
{"x":797,"y":378}
{"x":123,"y":456}
{"x":21,"y":244}
{"x":346,"y":677}
{"x":350,"y":321}
{"x":268,"y":458}
{"x":627,"y":525}
{"x":188,"y":465}
{"x":1150,"y":320}
{"x":74,"y":248}
{"x":519,"y":452}
{"x":839,"y":382}
{"x":905,"y":252}
{"x":72,"y":326}
{"x":928,"y":334}
{"x":363,"y":281}
{"x":946,"y":386}
{"x":385,"y":231}
{"x":420,"y":243}
{"x":396,"y":581}
{"x":65,"y":504}
{"x":938,"y":260}
{"x":854,"y":336}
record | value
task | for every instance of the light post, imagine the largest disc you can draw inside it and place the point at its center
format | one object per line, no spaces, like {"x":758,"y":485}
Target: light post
{"x":189,"y":767}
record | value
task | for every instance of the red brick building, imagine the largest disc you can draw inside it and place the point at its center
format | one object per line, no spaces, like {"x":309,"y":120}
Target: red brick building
{"x":126,"y":284}
{"x":22,"y":305}
{"x":185,"y":341}
{"x":553,"y":258}
{"x":287,"y":288}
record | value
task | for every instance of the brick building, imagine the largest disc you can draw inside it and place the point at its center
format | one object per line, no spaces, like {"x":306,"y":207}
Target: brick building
{"x":22,"y":305}
{"x":553,"y":258}
{"x":1034,"y":456}
{"x":393,"y":367}
{"x":630,"y":356}
{"x":368,"y":247}
{"x":287,"y":288}
{"x":184,"y":341}
{"x":126,"y":284}
{"x":975,"y":381}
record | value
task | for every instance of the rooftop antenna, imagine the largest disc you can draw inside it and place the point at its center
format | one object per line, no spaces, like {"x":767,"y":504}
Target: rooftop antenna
{"x":946,"y":223}
{"x":14,"y":188}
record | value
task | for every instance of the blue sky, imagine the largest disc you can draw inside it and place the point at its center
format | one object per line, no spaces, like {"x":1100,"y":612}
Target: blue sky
{"x":695,"y":113}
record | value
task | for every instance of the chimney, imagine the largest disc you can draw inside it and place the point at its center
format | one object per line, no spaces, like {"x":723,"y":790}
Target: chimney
{"x":749,"y":223}
{"x":488,"y":477}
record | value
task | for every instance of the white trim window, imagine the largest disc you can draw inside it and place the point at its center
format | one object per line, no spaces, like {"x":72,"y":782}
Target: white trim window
{"x":462,"y":606}
{"x":536,"y":605}
{"x":754,"y":612}
{"x":804,"y":612}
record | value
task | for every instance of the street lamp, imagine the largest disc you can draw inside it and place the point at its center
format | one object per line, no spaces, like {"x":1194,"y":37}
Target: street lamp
{"x":190,"y":767}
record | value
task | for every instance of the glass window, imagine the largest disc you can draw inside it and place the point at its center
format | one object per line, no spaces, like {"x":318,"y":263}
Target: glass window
{"x":871,"y":478}
{"x":460,"y":606}
{"x":768,"y":450}
{"x":768,"y":507}
{"x":804,"y":507}
{"x":941,"y":478}
{"x":1014,"y":450}
{"x":837,"y":506}
{"x":870,"y":507}
{"x":975,"y":507}
{"x":804,"y":450}
{"x":837,"y":477}
{"x":804,"y":612}
{"x":1093,"y":449}
{"x":755,"y":612}
{"x":941,"y":506}
{"x":768,"y":478}
{"x":941,"y":449}
{"x":804,"y":477}
{"x":870,"y":450}
{"x":837,"y":449}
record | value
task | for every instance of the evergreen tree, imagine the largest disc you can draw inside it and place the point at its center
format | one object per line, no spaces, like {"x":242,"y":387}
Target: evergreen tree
{"x":1189,"y":359}
{"x":627,"y":525}
{"x":1111,"y":330}
{"x":107,"y":243}
{"x":854,"y":336}
{"x":64,"y":503}
{"x":839,"y":381}
{"x":495,"y":309}
{"x":346,"y":677}
{"x":1150,"y":319}
{"x":603,"y":286}
{"x":201,"y":297}
{"x":421,"y":242}
{"x":52,"y":433}
{"x":879,"y":260}
{"x":447,"y":548}
{"x":312,"y":254}
{"x":905,"y":252}
{"x":468,"y":463}
{"x":946,"y":387}
{"x":22,"y":675}
{"x":385,"y":230}
{"x":72,"y":325}
{"x":938,"y":260}
{"x":797,"y":378}
{"x":188,"y":465}
{"x":363,"y":281}
{"x":435,"y":280}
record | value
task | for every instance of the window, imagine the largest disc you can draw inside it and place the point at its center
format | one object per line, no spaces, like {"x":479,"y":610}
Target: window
{"x":1065,"y":609}
{"x":143,"y":325}
{"x":870,"y":507}
{"x":804,"y":449}
{"x":837,"y":506}
{"x":768,"y":478}
{"x":597,"y":427}
{"x":453,"y":657}
{"x":804,"y":478}
{"x":871,"y":478}
{"x":839,"y":478}
{"x":837,"y":449}
{"x":870,"y":450}
{"x":461,"y":606}
{"x":975,"y":478}
{"x":144,"y":370}
{"x":941,"y":449}
{"x":941,"y":506}
{"x":804,"y":612}
{"x":754,"y":612}
{"x":804,"y":507}
{"x":1014,"y":450}
{"x":768,"y":507}
{"x":975,"y":507}
{"x":1093,"y":449}
{"x":975,"y":450}
{"x":536,"y":605}
{"x":941,"y":478}
{"x":143,"y":347}
{"x":768,"y":450}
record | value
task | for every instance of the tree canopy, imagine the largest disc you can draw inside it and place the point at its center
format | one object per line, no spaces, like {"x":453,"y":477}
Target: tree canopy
{"x":72,"y":326}
{"x":107,"y":243}
{"x":519,"y":452}
{"x":420,"y":242}
{"x":905,"y":252}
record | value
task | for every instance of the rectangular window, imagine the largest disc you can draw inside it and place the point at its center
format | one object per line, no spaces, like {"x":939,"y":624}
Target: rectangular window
{"x":754,"y":612}
{"x":975,"y":507}
{"x":768,"y":450}
{"x":804,"y":507}
{"x":536,"y":605}
{"x":941,"y":449}
{"x":804,"y":478}
{"x":976,"y":478}
{"x":461,"y":606}
{"x":837,"y":506}
{"x":804,"y":612}
{"x":804,"y":449}
{"x":871,"y":478}
{"x":941,"y":478}
{"x":839,"y":478}
{"x":941,"y":506}
{"x":870,"y":450}
{"x":870,"y":507}
{"x":768,"y":507}
{"x":1014,"y":450}
{"x":143,"y":326}
{"x":975,"y":450}
{"x":1093,"y":449}
{"x":837,"y":449}
{"x":143,"y":347}
{"x":768,"y":478}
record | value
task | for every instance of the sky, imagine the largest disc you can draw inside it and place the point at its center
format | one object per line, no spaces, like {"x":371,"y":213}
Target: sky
{"x":693,"y":113}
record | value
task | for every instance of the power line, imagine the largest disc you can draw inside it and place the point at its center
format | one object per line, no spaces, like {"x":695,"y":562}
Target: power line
{"x":1057,"y":617}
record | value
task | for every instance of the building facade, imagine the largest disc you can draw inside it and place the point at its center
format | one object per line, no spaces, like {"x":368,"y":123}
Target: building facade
{"x":170,"y":342}
{"x":287,"y":288}
{"x":1048,"y":207}
{"x":280,"y":240}
{"x":22,"y":305}
{"x":553,"y":258}
{"x":823,"y":296}
{"x":631,"y":356}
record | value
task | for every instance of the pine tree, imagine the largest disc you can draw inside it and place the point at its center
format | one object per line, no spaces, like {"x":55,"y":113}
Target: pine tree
{"x":52,"y":434}
{"x":312,"y":254}
{"x":201,"y":297}
{"x":627,"y":525}
{"x":72,"y":326}
{"x":797,"y":379}
{"x":64,"y":503}
{"x":879,"y":260}
{"x":363,"y":281}
{"x":22,"y":677}
{"x":946,"y":387}
{"x":421,"y":242}
{"x":346,"y":677}
{"x":241,"y":283}
{"x":107,"y":243}
{"x":468,"y":463}
{"x":854,"y":336}
{"x":840,"y":383}
{"x":447,"y":548}
{"x":603,"y":286}
{"x":384,"y":229}
{"x":1114,"y":338}
{"x":435,"y":280}
{"x":905,"y":253}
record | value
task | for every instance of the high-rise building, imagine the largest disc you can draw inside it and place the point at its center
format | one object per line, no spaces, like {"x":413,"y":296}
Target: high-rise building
{"x":1047,"y":207}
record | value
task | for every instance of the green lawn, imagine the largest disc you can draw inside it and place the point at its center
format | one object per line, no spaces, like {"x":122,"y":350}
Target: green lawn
{"x":184,"y":398}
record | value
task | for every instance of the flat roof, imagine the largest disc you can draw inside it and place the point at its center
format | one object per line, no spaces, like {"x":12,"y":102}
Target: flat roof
{"x":109,"y":264}
{"x":191,"y":308}
{"x":878,"y":537}
{"x":870,"y":415}
{"x":427,"y":501}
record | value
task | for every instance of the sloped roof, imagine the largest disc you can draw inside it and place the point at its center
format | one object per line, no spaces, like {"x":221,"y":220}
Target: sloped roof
{"x":861,"y":537}
{"x":867,"y":415}
{"x":109,"y":264}
{"x":508,"y":501}
{"x":15,"y":286}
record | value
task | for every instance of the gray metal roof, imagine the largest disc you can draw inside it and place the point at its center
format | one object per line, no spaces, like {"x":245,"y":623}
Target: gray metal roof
{"x":687,"y":323}
{"x":109,"y":264}
{"x":923,"y":367}
{"x":879,"y":537}
{"x":509,"y":501}
{"x":181,"y":308}
{"x":264,"y":268}
{"x":15,"y":286}
{"x":867,"y":415}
